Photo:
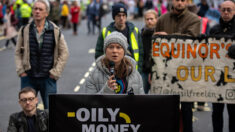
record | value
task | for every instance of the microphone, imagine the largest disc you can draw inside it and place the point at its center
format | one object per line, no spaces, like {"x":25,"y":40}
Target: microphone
{"x":112,"y":71}
{"x":112,"y":65}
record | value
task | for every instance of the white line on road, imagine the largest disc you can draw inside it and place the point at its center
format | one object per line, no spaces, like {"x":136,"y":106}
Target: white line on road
{"x":86,"y":75}
{"x":77,"y":88}
{"x":91,"y":51}
{"x":90,"y":69}
{"x":82,"y":81}
{"x":93,"y":64}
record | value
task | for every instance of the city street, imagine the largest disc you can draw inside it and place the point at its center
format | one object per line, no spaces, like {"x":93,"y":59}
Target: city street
{"x":80,"y":64}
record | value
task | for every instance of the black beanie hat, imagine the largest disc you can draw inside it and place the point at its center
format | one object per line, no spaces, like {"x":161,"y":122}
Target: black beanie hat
{"x":117,"y":8}
{"x":231,"y":51}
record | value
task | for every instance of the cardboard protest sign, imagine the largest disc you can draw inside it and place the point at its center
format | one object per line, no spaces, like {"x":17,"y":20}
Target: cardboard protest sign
{"x":197,"y":69}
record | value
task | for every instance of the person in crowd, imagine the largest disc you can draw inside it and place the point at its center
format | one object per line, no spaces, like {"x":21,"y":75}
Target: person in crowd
{"x":150,"y":17}
{"x":131,"y":9}
{"x":18,"y":16}
{"x":4,"y":8}
{"x":90,"y":15}
{"x":120,"y":24}
{"x":213,"y":15}
{"x":30,"y":119}
{"x":75,"y":11}
{"x":160,"y":8}
{"x":25,"y":11}
{"x":41,"y":53}
{"x":98,"y":14}
{"x":203,"y":7}
{"x":204,"y":22}
{"x":148,"y":4}
{"x":64,"y":14}
{"x":9,"y":29}
{"x":54,"y":15}
{"x":226,"y":27}
{"x":140,"y":6}
{"x":187,"y":24}
{"x":115,"y":73}
{"x":1,"y":14}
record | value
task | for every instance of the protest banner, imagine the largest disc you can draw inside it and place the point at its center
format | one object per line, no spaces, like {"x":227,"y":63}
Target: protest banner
{"x":197,"y":69}
{"x":113,"y":113}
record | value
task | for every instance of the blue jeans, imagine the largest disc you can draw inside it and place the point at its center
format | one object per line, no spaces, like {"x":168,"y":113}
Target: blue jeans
{"x":145,"y":82}
{"x":45,"y":86}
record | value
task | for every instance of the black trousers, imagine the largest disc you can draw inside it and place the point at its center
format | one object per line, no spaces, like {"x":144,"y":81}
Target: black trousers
{"x":217,"y":117}
{"x":64,"y":20}
{"x":75,"y":27}
{"x":187,"y":116}
{"x":12,"y":39}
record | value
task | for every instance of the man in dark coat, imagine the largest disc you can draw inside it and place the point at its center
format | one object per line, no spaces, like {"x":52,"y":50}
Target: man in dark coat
{"x":226,"y":27}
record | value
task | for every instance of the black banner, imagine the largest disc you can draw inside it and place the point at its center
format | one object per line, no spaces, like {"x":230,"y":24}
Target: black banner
{"x":113,"y":113}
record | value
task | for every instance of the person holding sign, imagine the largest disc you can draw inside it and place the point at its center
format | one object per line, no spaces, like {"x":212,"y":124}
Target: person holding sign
{"x":226,"y":27}
{"x":180,"y":21}
{"x":115,"y":73}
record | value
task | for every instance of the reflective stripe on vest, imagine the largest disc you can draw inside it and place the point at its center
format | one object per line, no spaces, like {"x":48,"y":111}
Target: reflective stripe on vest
{"x":134,"y":44}
{"x":203,"y":24}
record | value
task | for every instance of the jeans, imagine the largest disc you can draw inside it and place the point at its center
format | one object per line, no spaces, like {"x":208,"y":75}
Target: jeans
{"x":217,"y":117}
{"x":45,"y":86}
{"x":145,"y":82}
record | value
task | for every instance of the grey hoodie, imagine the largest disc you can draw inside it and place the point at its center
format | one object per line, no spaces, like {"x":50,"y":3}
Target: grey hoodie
{"x":97,"y":81}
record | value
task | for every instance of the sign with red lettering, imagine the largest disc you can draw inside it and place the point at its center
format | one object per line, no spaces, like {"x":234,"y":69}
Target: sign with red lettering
{"x":197,"y":69}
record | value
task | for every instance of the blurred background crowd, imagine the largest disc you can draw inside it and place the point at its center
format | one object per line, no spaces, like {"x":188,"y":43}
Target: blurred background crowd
{"x":70,"y":13}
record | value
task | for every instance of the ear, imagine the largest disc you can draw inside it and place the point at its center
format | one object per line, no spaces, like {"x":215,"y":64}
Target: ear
{"x":36,"y":99}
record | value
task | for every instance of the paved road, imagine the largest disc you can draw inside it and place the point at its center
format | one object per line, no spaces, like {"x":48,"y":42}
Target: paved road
{"x":80,"y":62}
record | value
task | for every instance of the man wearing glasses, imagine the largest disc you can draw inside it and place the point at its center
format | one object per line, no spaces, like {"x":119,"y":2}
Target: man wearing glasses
{"x":226,"y":27}
{"x":30,"y":119}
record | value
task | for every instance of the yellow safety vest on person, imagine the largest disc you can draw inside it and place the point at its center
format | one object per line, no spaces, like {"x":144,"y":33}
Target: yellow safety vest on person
{"x":25,"y":10}
{"x":134,"y":44}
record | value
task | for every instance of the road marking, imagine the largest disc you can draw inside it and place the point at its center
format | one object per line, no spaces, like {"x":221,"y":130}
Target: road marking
{"x":86,"y":75}
{"x":91,"y":69}
{"x":2,"y":37}
{"x":93,"y":64}
{"x":82,"y":81}
{"x":77,"y":88}
{"x":91,"y":51}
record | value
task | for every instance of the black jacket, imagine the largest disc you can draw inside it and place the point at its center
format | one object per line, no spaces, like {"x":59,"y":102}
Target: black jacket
{"x":224,"y":28}
{"x":146,"y":34}
{"x":18,"y":122}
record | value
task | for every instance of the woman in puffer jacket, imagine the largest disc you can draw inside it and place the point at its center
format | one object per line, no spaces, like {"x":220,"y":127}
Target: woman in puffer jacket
{"x":115,"y":73}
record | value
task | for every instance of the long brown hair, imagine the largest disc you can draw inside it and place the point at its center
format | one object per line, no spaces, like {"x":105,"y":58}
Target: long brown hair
{"x":124,"y":69}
